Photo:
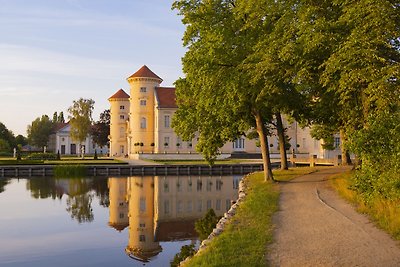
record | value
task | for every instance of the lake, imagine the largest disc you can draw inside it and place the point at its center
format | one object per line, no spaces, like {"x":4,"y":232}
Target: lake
{"x":114,"y":221}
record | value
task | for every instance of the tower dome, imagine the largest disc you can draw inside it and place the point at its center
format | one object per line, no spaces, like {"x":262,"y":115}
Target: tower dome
{"x":141,"y":124}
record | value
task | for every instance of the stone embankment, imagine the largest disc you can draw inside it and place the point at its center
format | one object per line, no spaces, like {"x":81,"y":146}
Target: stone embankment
{"x":220,"y":226}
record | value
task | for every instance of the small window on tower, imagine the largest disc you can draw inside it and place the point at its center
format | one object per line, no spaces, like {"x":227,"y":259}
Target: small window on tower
{"x":143,"y":102}
{"x":121,"y":117}
{"x":121,"y":107}
{"x":143,"y":89}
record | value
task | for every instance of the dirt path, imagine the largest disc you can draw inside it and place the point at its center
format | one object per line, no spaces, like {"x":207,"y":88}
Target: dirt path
{"x":314,"y":227}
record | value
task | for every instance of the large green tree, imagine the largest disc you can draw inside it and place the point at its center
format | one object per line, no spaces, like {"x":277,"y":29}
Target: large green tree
{"x":39,"y":131}
{"x":80,"y":119}
{"x":218,"y":99}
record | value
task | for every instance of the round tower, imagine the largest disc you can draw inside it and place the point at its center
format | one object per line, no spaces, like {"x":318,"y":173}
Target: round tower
{"x":142,"y":245}
{"x":119,"y":114}
{"x":141,"y":123}
{"x":118,"y":207}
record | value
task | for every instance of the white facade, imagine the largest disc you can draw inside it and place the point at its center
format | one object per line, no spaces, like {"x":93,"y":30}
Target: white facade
{"x":61,"y":141}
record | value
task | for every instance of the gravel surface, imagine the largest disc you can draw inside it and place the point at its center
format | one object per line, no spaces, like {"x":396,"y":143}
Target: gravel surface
{"x":315,"y":227}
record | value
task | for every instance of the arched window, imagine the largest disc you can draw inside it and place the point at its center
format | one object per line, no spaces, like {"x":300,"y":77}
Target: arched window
{"x":143,"y":123}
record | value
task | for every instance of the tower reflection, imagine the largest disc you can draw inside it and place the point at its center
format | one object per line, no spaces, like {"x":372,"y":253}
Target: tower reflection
{"x":164,"y":208}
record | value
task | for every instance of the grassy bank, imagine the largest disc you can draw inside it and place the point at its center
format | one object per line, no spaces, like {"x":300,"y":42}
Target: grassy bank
{"x":385,"y":212}
{"x":245,"y":239}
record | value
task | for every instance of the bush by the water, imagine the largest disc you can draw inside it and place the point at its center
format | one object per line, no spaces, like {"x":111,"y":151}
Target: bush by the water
{"x":186,"y":251}
{"x":69,"y":171}
{"x":42,"y":156}
{"x":205,"y":225}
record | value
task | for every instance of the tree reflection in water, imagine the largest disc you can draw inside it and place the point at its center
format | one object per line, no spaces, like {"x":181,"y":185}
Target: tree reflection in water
{"x":80,"y":207}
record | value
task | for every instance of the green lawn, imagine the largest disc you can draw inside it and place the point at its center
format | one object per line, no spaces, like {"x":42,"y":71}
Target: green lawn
{"x":245,"y":239}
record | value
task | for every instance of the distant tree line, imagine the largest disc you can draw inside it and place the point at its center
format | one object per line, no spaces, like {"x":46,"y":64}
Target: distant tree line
{"x":39,"y":131}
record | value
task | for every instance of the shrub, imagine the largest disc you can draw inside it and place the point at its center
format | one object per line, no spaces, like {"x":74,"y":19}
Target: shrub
{"x":186,"y":251}
{"x":42,"y":156}
{"x":205,"y":225}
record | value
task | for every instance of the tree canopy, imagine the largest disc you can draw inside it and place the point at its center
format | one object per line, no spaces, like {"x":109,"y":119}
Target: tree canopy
{"x":335,"y":64}
{"x":80,"y":118}
{"x":7,"y":139}
{"x":39,"y":131}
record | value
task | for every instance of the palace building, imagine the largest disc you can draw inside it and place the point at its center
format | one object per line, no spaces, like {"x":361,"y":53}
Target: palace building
{"x":141,"y":124}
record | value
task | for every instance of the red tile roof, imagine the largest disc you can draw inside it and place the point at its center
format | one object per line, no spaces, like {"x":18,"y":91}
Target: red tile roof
{"x":145,"y":72}
{"x":59,"y":126}
{"x":120,"y":94}
{"x":165,"y":97}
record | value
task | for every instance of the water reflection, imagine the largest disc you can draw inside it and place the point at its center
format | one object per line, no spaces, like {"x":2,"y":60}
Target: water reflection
{"x":153,"y":214}
{"x":160,"y":209}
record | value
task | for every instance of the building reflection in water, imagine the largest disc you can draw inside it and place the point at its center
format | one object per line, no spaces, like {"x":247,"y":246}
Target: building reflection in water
{"x":164,"y":208}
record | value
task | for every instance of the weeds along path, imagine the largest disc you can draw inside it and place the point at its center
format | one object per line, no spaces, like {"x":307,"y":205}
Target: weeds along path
{"x":314,"y":227}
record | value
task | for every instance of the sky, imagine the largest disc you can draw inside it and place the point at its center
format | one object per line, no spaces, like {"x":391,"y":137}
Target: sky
{"x":55,"y":51}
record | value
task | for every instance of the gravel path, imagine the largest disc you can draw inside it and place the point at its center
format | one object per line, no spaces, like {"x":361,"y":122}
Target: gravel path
{"x":314,"y":227}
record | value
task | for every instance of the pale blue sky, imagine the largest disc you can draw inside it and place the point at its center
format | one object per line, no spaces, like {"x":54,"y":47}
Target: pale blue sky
{"x":55,"y":51}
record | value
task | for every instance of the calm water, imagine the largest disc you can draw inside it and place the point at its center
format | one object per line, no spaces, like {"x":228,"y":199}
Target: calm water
{"x":131,"y":221}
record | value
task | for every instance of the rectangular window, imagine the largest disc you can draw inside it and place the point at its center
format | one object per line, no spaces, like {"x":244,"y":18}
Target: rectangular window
{"x":143,"y":102}
{"x":121,"y":117}
{"x":337,"y":142}
{"x":189,"y":206}
{"x":143,"y":123}
{"x":142,"y":238}
{"x":166,"y":187}
{"x":142,"y":204}
{"x":179,"y":206}
{"x":218,"y":184}
{"x":143,"y":89}
{"x":122,"y":132}
{"x":209,"y":184}
{"x":218,"y":204}
{"x":121,"y":215}
{"x":166,"y":207}
{"x":121,"y":107}
{"x":208,"y":204}
{"x":238,"y":144}
{"x":199,"y":185}
{"x":228,"y":204}
{"x":142,"y":225}
{"x":166,"y":121}
{"x":199,"y":205}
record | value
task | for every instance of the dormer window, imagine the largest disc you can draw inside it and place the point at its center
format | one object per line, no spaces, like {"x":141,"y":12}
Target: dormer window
{"x":143,"y":89}
{"x":121,"y":107}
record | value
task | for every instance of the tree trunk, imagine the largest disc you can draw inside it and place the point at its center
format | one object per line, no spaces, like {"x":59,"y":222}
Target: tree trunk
{"x":264,"y":147}
{"x":282,"y":143}
{"x":345,"y":154}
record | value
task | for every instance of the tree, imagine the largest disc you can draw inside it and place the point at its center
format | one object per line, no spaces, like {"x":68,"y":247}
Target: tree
{"x":21,"y":140}
{"x":55,"y":117}
{"x":101,"y":129}
{"x":60,"y":118}
{"x":8,"y":138}
{"x":80,"y":119}
{"x":39,"y":131}
{"x":228,"y":101}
